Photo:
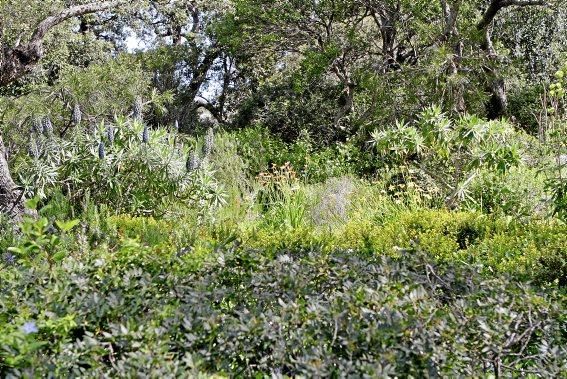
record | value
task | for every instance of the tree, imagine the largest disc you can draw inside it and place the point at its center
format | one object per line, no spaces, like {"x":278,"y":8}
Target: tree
{"x":498,"y":101}
{"x":17,"y":58}
{"x":186,"y":56}
{"x":379,"y":60}
{"x":11,"y":202}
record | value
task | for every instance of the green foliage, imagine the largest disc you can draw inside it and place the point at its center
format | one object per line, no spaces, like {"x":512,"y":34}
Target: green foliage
{"x":497,"y":244}
{"x":282,"y":198}
{"x":110,"y":88}
{"x":101,"y":91}
{"x":259,"y":149}
{"x":556,"y":182}
{"x":556,"y":174}
{"x":147,"y":230}
{"x":519,"y":193}
{"x":231,"y":168}
{"x":525,"y":107}
{"x":112,"y":166}
{"x":43,"y":241}
{"x":314,"y":164}
{"x":350,"y":215}
{"x":289,"y":246}
{"x":451,"y":153}
{"x":133,"y":312}
{"x":557,"y":89}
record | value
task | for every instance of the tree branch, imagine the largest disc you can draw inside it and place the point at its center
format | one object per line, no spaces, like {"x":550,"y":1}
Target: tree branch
{"x":496,"y":5}
{"x":16,"y":61}
{"x":51,"y":21}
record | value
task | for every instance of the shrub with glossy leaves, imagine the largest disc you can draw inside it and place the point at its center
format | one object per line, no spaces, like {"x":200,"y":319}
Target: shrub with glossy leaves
{"x":292,"y":313}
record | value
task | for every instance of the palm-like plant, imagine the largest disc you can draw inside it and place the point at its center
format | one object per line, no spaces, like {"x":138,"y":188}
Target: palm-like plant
{"x":450,"y":152}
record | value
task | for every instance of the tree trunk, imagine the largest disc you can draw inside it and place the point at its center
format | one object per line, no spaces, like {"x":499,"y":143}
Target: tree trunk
{"x":11,"y":200}
{"x":498,"y":103}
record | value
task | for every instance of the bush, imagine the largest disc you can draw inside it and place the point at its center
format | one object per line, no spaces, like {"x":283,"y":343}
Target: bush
{"x":519,"y":193}
{"x":314,"y":164}
{"x":521,"y":105}
{"x":450,"y":152}
{"x":125,"y":166}
{"x":555,"y":182}
{"x":292,"y":312}
{"x":528,"y":251}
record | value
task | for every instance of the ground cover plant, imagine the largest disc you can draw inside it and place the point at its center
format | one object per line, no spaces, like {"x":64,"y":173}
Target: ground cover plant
{"x":278,"y":189}
{"x":287,"y":312}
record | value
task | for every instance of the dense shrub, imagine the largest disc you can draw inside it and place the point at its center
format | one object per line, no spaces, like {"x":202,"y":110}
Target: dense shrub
{"x":532,"y":250}
{"x":499,"y":244}
{"x":523,"y":106}
{"x":124,"y":165}
{"x":315,"y":164}
{"x":555,"y":182}
{"x":519,"y":193}
{"x":295,"y":312}
{"x":450,"y":152}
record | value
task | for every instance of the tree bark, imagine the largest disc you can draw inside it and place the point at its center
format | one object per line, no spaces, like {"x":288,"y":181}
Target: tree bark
{"x":190,"y":95}
{"x":496,"y":5}
{"x":498,"y":102}
{"x":11,"y":202}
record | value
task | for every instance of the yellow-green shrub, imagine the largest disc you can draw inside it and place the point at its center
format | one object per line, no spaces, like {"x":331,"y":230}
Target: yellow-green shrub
{"x":148,"y":230}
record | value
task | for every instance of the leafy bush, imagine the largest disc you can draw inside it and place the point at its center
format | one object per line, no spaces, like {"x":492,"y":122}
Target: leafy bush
{"x":521,"y":105}
{"x":451,"y":153}
{"x":556,"y":183}
{"x":259,"y":149}
{"x":555,"y":174}
{"x":125,"y":166}
{"x":338,"y":160}
{"x":43,"y":242}
{"x":295,"y":312}
{"x":531,"y":250}
{"x":314,"y":164}
{"x":519,"y":193}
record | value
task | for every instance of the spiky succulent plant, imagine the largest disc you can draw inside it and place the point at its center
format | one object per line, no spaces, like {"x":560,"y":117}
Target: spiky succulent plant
{"x":77,"y":115}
